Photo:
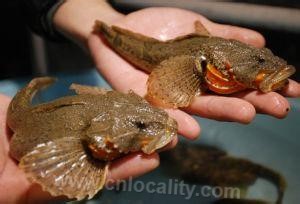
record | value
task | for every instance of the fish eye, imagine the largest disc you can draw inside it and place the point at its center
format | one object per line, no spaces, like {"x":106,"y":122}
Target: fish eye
{"x":203,"y":61}
{"x":201,"y":64}
{"x":261,"y":60}
{"x":141,"y":125}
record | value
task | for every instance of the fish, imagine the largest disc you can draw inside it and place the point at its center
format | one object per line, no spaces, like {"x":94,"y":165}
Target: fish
{"x":195,"y":63}
{"x":66,"y":145}
{"x":209,"y":165}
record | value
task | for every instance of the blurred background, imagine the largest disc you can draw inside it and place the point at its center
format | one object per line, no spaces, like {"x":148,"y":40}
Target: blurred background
{"x":23,"y":53}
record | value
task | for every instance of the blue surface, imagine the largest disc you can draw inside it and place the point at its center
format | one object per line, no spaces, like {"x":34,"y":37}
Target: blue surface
{"x":269,"y":141}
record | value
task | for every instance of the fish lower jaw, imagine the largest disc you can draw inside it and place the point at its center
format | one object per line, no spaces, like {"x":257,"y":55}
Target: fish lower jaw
{"x":273,"y":87}
{"x":277,"y":80}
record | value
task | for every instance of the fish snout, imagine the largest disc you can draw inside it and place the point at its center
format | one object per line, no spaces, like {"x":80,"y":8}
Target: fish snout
{"x":166,"y":135}
{"x":276,"y":80}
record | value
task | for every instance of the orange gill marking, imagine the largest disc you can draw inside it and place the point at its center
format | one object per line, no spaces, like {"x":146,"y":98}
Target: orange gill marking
{"x":220,"y":83}
{"x":108,"y":153}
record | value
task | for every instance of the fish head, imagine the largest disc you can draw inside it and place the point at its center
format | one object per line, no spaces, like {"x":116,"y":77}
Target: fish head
{"x":249,"y":67}
{"x":262,"y":70}
{"x":273,"y":72}
{"x":131,"y":124}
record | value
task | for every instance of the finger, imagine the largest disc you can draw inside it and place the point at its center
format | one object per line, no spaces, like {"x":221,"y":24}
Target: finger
{"x":3,"y":139}
{"x":169,"y":146}
{"x":241,"y":34}
{"x":187,"y":125}
{"x":222,"y":108}
{"x":291,"y":90}
{"x":268,"y":103}
{"x":132,"y":165}
{"x":3,"y":156}
{"x":15,"y":187}
{"x":5,"y":133}
{"x":4,"y":102}
{"x":35,"y":194}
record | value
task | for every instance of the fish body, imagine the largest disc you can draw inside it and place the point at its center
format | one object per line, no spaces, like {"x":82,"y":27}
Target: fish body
{"x":65,"y":144}
{"x":185,"y":66}
{"x":213,"y":166}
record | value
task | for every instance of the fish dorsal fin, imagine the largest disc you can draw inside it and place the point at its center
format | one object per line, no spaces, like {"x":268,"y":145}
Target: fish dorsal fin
{"x":134,"y":35}
{"x":184,"y":37}
{"x":200,"y":29}
{"x":174,"y":82}
{"x":63,"y":168}
{"x":83,"y":89}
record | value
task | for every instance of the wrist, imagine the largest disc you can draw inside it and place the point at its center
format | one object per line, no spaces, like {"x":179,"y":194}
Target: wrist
{"x":75,"y":18}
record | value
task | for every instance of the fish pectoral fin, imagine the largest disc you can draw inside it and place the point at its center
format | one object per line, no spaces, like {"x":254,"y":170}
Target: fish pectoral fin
{"x":200,"y":29}
{"x":83,"y":89}
{"x":62,"y":167}
{"x":174,"y":82}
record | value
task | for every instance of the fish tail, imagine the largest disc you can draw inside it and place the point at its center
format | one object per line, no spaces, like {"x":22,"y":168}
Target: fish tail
{"x":130,"y":45}
{"x":270,"y":175}
{"x":262,"y":172}
{"x":275,"y":178}
{"x":22,"y":100}
{"x":105,"y":30}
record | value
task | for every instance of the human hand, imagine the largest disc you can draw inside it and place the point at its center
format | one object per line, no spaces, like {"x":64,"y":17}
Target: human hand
{"x":15,"y":188}
{"x":168,"y":23}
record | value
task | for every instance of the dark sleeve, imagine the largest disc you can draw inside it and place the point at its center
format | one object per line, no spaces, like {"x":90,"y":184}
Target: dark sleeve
{"x":38,"y":15}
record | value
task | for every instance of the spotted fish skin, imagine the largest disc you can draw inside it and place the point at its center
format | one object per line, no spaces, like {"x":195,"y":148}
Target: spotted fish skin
{"x":68,"y":141}
{"x":221,"y":65}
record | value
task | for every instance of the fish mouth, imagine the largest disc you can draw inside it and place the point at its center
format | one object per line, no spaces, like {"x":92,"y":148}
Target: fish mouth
{"x":277,"y":80}
{"x":166,"y":137}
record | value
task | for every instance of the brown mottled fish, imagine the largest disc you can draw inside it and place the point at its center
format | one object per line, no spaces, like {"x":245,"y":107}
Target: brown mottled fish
{"x":213,"y":166}
{"x":65,"y":145}
{"x":185,"y":66}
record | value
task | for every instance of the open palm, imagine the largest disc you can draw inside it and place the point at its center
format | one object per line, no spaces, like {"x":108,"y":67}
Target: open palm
{"x":168,"y":23}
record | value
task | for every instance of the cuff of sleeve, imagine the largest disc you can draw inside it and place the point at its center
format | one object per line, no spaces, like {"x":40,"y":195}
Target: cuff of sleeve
{"x":47,"y":22}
